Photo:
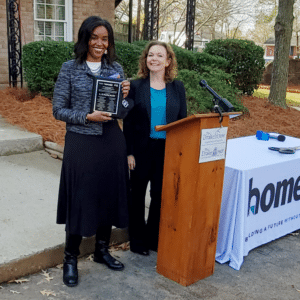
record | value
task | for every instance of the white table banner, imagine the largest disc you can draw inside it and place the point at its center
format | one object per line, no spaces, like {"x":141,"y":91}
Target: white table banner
{"x":261,"y":197}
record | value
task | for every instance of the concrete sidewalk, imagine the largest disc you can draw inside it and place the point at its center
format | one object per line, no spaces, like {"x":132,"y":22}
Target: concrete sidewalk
{"x":270,"y":272}
{"x":15,"y":140}
{"x":30,"y":240}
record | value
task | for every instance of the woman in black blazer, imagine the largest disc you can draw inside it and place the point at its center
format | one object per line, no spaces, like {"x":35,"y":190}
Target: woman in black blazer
{"x":159,"y":100}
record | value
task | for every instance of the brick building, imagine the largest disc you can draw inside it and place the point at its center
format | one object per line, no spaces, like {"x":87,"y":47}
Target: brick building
{"x":269,"y":46}
{"x":50,"y":19}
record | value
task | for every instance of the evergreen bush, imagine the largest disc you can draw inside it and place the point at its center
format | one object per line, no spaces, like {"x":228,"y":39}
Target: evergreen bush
{"x":195,"y":61}
{"x":128,"y":56}
{"x":185,"y":58}
{"x":199,"y":100}
{"x":141,"y":44}
{"x":245,"y":61}
{"x":203,"y":59}
{"x":42,"y":62}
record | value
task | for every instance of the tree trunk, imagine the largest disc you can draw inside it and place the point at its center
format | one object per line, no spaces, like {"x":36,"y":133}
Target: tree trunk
{"x":138,"y":21}
{"x":283,"y":34}
{"x":298,"y":50}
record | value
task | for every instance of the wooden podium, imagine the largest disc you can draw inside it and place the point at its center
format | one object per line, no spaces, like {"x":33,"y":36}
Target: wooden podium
{"x":191,"y":202}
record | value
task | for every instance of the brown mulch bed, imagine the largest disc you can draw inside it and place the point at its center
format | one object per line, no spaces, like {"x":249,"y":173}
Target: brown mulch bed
{"x":266,"y":117}
{"x":18,"y":107}
{"x":34,"y":114}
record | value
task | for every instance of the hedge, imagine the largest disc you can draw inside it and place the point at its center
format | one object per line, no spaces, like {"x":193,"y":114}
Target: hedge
{"x":42,"y":62}
{"x":199,"y":100}
{"x":245,"y":61}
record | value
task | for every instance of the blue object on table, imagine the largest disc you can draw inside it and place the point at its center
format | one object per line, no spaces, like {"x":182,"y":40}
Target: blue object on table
{"x":263,"y":136}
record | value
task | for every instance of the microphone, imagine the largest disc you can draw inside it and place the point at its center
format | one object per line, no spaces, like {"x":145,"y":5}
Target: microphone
{"x":264,"y":136}
{"x":224,"y":103}
{"x":280,"y":137}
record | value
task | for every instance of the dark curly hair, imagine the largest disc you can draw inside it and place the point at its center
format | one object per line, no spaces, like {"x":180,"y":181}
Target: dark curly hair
{"x":171,"y":70}
{"x":81,"y":47}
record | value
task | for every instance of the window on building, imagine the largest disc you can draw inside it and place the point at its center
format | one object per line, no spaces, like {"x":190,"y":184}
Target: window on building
{"x":270,"y":51}
{"x":53,"y":20}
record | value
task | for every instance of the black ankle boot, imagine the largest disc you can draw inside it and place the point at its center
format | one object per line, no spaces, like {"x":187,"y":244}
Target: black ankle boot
{"x":102,"y":256}
{"x":70,"y":272}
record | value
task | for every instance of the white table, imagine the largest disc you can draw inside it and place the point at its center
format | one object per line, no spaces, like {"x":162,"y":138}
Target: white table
{"x":261,"y":196}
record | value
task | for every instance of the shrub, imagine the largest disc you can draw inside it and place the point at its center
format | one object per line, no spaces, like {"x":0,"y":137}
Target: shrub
{"x":199,"y":99}
{"x":42,"y":62}
{"x":185,"y":58}
{"x":195,"y":61}
{"x":140,"y":44}
{"x":245,"y":61}
{"x":128,"y":56}
{"x":204,"y":59}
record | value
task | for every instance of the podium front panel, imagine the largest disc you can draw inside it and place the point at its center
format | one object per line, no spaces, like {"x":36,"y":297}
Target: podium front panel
{"x":191,"y":201}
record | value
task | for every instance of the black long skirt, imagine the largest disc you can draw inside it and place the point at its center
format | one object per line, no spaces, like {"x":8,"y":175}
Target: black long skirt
{"x":93,"y":188}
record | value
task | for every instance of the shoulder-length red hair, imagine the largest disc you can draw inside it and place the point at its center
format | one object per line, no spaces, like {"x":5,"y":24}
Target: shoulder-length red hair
{"x":171,"y":70}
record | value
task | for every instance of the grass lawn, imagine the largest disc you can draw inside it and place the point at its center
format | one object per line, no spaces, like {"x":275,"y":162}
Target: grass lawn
{"x":292,"y":99}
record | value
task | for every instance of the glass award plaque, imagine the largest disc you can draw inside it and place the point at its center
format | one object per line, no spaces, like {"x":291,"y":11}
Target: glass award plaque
{"x":107,"y":95}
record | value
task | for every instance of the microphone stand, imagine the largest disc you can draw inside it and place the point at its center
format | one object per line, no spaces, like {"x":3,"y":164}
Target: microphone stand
{"x":225,"y":104}
{"x":217,"y":109}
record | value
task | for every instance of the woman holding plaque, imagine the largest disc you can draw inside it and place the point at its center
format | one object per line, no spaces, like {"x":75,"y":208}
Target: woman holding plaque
{"x":158,"y":100}
{"x":94,"y":178}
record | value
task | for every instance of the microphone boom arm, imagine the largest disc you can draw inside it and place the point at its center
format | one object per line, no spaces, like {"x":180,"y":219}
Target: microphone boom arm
{"x":218,"y":100}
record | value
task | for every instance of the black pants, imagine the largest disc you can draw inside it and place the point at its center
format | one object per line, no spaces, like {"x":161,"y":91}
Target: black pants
{"x":149,"y":167}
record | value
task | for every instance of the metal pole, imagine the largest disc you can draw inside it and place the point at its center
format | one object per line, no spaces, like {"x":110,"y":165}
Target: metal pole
{"x":130,"y":22}
{"x":190,"y":22}
{"x":151,"y":19}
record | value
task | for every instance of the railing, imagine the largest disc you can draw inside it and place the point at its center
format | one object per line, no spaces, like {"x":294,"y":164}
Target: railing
{"x":14,"y":43}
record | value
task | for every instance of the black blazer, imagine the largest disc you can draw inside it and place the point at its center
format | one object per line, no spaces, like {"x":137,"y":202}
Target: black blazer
{"x":136,"y":125}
